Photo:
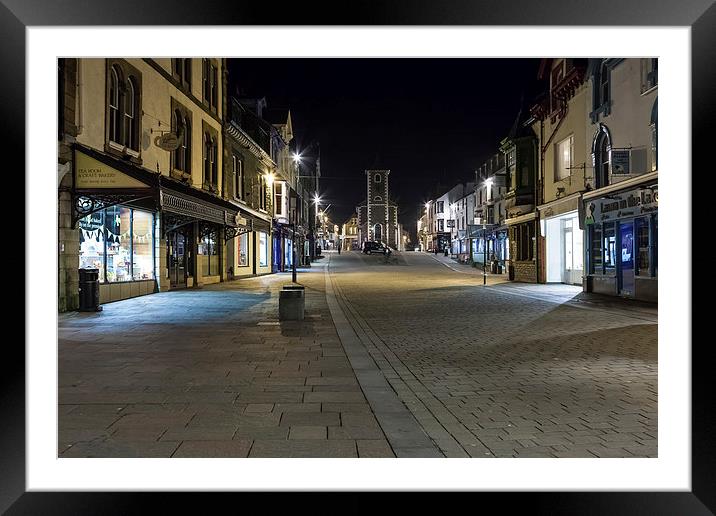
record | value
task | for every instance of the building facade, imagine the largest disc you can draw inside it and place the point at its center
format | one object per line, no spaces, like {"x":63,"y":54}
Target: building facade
{"x":349,"y":234}
{"x":378,"y":215}
{"x":521,"y":151}
{"x":491,"y":247}
{"x":142,"y":176}
{"x":462,"y":211}
{"x":620,"y":208}
{"x":564,"y":171}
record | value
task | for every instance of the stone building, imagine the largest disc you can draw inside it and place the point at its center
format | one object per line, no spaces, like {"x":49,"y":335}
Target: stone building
{"x":141,"y":175}
{"x":378,"y":215}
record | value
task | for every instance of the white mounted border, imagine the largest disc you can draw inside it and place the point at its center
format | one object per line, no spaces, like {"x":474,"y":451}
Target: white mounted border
{"x":671,"y":471}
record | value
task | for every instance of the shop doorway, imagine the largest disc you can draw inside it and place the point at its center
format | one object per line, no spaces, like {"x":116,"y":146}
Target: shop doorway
{"x":178,"y":257}
{"x":564,"y":247}
{"x":626,"y":236}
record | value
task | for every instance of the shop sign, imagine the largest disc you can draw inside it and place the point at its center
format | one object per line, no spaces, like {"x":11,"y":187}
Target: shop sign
{"x":631,"y":203}
{"x":93,"y":221}
{"x":620,"y":161}
{"x":90,"y":173}
{"x":167,"y":142}
{"x":451,"y":223}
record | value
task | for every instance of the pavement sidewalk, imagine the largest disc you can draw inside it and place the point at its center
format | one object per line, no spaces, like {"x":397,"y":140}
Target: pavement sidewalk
{"x":211,"y":372}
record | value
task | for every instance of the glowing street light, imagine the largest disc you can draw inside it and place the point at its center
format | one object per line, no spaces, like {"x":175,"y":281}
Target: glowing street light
{"x":296,"y":157}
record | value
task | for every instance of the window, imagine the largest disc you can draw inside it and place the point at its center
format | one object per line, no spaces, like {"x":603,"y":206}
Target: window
{"x":441,"y":225}
{"x":377,"y":178}
{"x":377,"y":198}
{"x":262,"y":192}
{"x":119,"y":241}
{"x":123,"y":108}
{"x":142,"y":245}
{"x":209,"y":253}
{"x":440,"y":206}
{"x":210,"y":85}
{"x":182,"y":71}
{"x":603,"y":85}
{"x":237,"y":167}
{"x":211,"y":174}
{"x":278,"y":204}
{"x":609,"y":247}
{"x":243,"y":249}
{"x":649,"y":74}
{"x":654,"y":127}
{"x":181,"y":126}
{"x":643,"y":247}
{"x":564,"y":152}
{"x":602,"y":161}
{"x":114,"y":133}
{"x":263,"y":249}
{"x":596,"y":252}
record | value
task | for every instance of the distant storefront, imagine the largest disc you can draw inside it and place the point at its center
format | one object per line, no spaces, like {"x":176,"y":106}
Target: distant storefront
{"x":621,"y":230}
{"x":563,"y":241}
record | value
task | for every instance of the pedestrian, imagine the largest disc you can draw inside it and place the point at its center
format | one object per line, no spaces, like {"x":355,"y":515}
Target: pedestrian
{"x":339,"y":249}
{"x":435,"y":251}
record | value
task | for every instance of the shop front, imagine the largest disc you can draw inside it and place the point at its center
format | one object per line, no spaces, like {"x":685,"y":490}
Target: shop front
{"x":522,"y":240}
{"x":622,"y":241}
{"x":145,"y":232}
{"x":563,"y":240}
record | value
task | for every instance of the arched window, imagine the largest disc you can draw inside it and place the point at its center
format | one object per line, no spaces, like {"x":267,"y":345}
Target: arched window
{"x":207,"y":158}
{"x":601,"y":156}
{"x":130,"y":132}
{"x":180,"y":131}
{"x":377,"y":178}
{"x":114,"y":100}
{"x":377,"y":198}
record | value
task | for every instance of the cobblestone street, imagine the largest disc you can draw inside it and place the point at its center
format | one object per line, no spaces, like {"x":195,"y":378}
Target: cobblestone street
{"x":410,"y":358}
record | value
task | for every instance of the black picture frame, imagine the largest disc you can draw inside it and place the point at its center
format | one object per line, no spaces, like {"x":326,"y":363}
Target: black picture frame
{"x":700,"y":15}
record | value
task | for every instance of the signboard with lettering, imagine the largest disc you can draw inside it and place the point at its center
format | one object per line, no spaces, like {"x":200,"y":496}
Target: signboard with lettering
{"x":167,"y":141}
{"x":631,"y":203}
{"x":451,"y":223}
{"x":620,"y":161}
{"x":91,"y":174}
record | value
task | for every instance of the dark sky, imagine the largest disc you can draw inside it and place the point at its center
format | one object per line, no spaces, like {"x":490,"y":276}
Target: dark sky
{"x":432,"y":122}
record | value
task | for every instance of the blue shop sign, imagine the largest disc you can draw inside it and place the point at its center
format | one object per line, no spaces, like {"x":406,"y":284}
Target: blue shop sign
{"x":632,"y":203}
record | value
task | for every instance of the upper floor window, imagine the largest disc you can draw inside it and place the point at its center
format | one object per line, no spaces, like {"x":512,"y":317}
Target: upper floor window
{"x":440,"y":206}
{"x":649,"y":74}
{"x":237,"y":168}
{"x":278,"y":202}
{"x":210,"y":161}
{"x":654,"y":128}
{"x":564,"y":153}
{"x":601,"y":91}
{"x":377,"y":178}
{"x":262,"y":192}
{"x":601,"y":156}
{"x":210,"y":82}
{"x":377,"y":198}
{"x":181,"y":71}
{"x":123,"y":111}
{"x":181,"y":126}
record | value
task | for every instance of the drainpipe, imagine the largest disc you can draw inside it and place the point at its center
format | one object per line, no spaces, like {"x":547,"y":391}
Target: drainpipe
{"x":78,"y":97}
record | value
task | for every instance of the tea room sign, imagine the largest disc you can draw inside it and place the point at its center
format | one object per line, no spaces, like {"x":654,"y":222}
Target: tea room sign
{"x":93,"y":174}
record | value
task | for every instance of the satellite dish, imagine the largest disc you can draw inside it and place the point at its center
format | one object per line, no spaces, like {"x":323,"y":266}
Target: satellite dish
{"x":167,"y":141}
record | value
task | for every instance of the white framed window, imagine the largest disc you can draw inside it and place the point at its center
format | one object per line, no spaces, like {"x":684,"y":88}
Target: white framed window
{"x":279,"y":195}
{"x":564,"y":155}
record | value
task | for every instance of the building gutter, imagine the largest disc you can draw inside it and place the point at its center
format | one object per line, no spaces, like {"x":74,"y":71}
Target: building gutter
{"x":621,"y":185}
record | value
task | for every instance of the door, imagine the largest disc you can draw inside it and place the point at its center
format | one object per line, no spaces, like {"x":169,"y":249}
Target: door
{"x":626,"y":235}
{"x":573,"y":258}
{"x":177,"y":259}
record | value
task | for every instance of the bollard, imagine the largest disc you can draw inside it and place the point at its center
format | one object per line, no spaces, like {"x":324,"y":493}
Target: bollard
{"x":291,"y":303}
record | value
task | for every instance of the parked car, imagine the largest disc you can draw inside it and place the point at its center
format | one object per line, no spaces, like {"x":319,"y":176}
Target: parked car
{"x":374,"y":247}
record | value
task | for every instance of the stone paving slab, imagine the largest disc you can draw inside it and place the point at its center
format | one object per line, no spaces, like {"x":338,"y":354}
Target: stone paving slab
{"x":507,"y":370}
{"x":211,"y":372}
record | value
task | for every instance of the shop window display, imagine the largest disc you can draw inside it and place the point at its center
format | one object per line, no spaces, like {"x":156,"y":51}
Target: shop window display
{"x":209,"y":255}
{"x":263,"y":249}
{"x":610,"y":247}
{"x":119,"y":242}
{"x":92,"y":243}
{"x":243,"y":248}
{"x":596,"y":254}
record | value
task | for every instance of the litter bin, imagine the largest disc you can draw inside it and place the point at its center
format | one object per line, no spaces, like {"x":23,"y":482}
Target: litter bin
{"x":89,"y":290}
{"x":511,"y":272}
{"x":291,"y":303}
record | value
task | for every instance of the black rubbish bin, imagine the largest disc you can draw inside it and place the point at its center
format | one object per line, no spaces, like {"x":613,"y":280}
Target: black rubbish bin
{"x":89,"y":290}
{"x":511,"y":272}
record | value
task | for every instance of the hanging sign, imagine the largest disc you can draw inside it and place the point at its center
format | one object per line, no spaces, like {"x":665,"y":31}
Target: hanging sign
{"x":620,"y":161}
{"x":167,"y":141}
{"x":91,"y":173}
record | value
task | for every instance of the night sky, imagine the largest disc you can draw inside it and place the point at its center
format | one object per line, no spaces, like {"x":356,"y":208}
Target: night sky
{"x":432,"y":122}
